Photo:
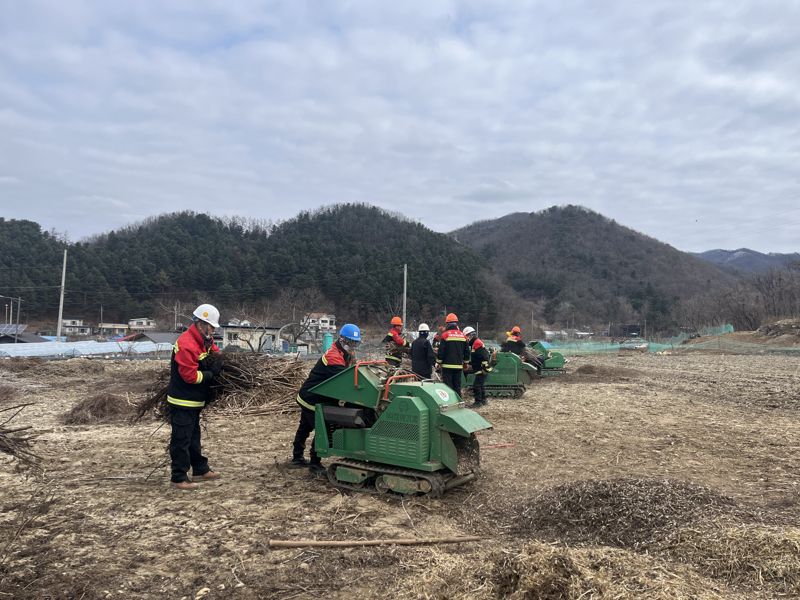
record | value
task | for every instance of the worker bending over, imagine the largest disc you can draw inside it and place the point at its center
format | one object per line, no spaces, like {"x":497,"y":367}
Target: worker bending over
{"x":514,"y":342}
{"x":338,"y":357}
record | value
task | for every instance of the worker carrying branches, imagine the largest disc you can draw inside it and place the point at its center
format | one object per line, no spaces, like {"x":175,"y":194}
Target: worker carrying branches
{"x":339,"y":357}
{"x":191,"y":373}
{"x":453,"y":354}
{"x":396,"y":344}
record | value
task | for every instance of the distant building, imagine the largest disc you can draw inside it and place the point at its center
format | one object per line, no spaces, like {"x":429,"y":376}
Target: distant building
{"x":142,"y":324}
{"x":257,"y":338}
{"x":320,"y":323}
{"x":112,"y":328}
{"x":75,"y":327}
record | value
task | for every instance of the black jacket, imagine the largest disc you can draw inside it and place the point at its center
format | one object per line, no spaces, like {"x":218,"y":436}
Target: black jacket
{"x":453,"y":350}
{"x":480,"y":357}
{"x":334,"y":361}
{"x":513,"y":344}
{"x":422,"y":357}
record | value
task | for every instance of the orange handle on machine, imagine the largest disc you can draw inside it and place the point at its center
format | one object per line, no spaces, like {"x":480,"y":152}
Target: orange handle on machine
{"x":395,"y":378}
{"x":366,"y":362}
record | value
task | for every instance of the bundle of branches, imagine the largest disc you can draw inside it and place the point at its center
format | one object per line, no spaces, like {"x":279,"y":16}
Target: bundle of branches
{"x":16,"y":441}
{"x":251,"y":383}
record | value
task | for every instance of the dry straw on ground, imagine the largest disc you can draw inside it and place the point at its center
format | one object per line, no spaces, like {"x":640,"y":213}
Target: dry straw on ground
{"x":251,"y":383}
{"x":742,"y":554}
{"x":628,"y":513}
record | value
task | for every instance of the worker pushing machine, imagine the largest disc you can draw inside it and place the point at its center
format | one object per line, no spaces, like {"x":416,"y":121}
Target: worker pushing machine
{"x":191,"y":374}
{"x":339,"y":357}
{"x":453,"y":354}
{"x":396,"y":344}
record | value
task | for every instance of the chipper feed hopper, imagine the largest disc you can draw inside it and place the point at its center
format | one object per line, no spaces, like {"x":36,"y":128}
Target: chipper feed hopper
{"x":393,"y":433}
{"x":553,"y":361}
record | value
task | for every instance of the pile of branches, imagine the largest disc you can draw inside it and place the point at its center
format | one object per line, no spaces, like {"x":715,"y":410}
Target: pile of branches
{"x":247,"y":383}
{"x":16,"y":441}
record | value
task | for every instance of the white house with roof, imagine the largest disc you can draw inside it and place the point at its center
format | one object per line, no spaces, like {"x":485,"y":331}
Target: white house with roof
{"x":75,"y":327}
{"x":320,"y":323}
{"x":112,"y":328}
{"x":244,"y":335}
{"x":142,"y":324}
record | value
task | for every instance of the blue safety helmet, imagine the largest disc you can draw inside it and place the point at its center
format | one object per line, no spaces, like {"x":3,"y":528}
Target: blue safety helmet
{"x":350,"y":332}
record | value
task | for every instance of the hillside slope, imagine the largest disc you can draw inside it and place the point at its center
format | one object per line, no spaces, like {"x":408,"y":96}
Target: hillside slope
{"x":748,"y":261}
{"x":352,"y":254}
{"x":583,"y":267}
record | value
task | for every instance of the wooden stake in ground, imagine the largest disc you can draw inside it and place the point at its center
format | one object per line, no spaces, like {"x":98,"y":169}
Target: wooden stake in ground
{"x":351,"y":543}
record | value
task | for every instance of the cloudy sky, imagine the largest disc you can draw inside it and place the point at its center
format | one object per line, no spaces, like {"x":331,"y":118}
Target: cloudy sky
{"x":680,"y":119}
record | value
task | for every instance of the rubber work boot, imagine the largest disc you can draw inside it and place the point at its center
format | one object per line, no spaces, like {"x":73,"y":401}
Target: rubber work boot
{"x":298,"y":462}
{"x":185,"y":485}
{"x":208,"y":476}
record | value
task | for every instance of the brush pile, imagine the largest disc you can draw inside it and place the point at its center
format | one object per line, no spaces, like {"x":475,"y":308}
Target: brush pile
{"x":248,"y":383}
{"x":16,"y":441}
{"x":100,"y":408}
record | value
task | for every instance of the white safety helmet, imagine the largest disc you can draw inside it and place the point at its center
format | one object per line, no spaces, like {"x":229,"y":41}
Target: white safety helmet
{"x":468,"y":330}
{"x":207,"y":313}
{"x":423,"y":327}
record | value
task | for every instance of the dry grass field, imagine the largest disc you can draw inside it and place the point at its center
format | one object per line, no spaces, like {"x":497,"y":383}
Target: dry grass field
{"x":633,"y":476}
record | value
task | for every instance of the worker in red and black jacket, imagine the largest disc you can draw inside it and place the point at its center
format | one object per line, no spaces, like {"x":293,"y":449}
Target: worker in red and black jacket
{"x":187,"y":394}
{"x":479,"y":364}
{"x":514,"y":342}
{"x":396,"y":344}
{"x":339,"y":356}
{"x":453,"y":354}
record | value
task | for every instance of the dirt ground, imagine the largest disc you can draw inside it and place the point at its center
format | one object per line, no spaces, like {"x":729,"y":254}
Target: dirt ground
{"x":633,"y":476}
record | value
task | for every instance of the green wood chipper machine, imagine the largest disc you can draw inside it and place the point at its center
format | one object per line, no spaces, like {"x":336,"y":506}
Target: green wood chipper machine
{"x":391,"y":432}
{"x":511,"y":375}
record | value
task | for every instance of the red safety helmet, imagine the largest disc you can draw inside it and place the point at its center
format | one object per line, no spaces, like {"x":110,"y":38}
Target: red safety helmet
{"x":397,"y":321}
{"x":451,"y":318}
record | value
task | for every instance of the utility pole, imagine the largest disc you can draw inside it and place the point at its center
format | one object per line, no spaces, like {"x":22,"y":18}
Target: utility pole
{"x":61,"y":301}
{"x":405,"y":288}
{"x":175,"y":308}
{"x":19,"y":310}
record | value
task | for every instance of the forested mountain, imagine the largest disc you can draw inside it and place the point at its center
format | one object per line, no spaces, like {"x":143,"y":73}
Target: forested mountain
{"x":584,"y":268}
{"x":351,"y":256}
{"x":748,"y":261}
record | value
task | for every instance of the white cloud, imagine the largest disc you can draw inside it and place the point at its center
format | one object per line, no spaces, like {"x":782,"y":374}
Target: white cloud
{"x":678,"y":119}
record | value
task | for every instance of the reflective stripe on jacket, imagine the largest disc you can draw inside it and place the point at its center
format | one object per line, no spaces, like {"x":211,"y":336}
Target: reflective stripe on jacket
{"x":453,"y":350}
{"x":189,"y":381}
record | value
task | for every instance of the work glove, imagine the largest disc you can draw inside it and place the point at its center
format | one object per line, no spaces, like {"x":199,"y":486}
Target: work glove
{"x":216,"y":368}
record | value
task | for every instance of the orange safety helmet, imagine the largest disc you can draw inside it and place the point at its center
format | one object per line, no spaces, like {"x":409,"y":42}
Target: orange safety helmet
{"x":451,"y":318}
{"x":397,"y":321}
{"x":516,"y":329}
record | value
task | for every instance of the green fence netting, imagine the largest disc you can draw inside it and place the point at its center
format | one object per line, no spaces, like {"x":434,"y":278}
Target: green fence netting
{"x":707,"y":339}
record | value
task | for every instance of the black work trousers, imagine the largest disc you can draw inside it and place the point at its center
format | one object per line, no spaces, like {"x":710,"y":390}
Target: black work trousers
{"x":452,"y":379}
{"x":479,"y":389}
{"x":184,"y":445}
{"x":304,"y":429}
